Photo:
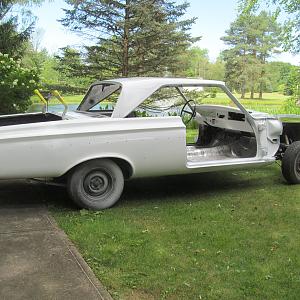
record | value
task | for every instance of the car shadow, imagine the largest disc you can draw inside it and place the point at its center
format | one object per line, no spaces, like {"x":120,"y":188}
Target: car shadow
{"x":192,"y":187}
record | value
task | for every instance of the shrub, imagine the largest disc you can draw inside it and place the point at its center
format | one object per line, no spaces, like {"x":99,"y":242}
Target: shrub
{"x":16,"y":85}
{"x":291,"y":107}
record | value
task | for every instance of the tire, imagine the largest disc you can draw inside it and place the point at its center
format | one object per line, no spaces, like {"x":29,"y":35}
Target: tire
{"x":291,"y":163}
{"x":96,"y":185}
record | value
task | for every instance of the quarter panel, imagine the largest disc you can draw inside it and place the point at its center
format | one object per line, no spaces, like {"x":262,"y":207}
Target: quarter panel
{"x":153,"y":146}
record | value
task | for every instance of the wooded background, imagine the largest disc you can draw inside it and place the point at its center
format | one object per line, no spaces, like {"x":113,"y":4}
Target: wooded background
{"x":145,"y":38}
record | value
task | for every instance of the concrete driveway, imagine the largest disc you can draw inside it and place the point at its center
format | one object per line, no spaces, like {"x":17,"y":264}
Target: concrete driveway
{"x":37,"y":261}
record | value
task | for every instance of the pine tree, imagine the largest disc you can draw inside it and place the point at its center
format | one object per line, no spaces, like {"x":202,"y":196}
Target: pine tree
{"x":12,"y":39}
{"x":134,"y":37}
{"x":289,"y":10}
{"x":252,"y":40}
{"x":71,"y":67}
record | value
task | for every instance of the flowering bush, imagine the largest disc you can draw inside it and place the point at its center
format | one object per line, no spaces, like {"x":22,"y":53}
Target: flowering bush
{"x":16,"y":85}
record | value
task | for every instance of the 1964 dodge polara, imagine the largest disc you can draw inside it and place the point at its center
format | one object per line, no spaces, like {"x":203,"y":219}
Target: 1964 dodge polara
{"x":92,"y":150}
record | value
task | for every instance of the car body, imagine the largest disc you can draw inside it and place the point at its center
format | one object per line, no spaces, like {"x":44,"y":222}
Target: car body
{"x":48,"y":145}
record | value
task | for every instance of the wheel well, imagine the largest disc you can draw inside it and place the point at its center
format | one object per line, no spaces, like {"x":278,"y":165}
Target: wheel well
{"x":124,"y":165}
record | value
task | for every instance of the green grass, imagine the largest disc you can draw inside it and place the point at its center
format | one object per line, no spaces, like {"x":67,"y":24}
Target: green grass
{"x":271,"y":103}
{"x":191,"y":135}
{"x":227,"y":235}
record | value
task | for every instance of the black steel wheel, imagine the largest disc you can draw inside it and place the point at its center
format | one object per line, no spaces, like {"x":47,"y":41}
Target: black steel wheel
{"x":97,"y":184}
{"x":291,"y":163}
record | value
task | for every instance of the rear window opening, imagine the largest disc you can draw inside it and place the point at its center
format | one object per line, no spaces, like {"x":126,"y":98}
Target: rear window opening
{"x":100,"y":98}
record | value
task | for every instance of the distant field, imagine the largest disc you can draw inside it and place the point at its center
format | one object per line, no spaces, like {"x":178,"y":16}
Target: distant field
{"x":268,"y":98}
{"x":271,"y":102}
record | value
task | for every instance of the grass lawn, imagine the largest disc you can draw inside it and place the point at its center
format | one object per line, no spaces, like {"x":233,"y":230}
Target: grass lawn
{"x":227,"y":235}
{"x":271,"y":102}
{"x":191,"y":135}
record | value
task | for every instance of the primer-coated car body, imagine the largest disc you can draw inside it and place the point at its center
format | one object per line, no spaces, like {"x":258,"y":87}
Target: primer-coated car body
{"x":53,"y":144}
{"x":151,"y":146}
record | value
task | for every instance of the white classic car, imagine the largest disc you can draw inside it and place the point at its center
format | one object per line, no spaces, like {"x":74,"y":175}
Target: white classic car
{"x":92,"y":150}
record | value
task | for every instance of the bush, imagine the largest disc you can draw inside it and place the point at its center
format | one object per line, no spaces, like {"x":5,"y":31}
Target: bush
{"x":16,"y":85}
{"x":291,"y":107}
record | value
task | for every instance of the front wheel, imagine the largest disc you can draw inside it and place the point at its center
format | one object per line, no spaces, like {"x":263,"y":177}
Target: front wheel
{"x":291,"y":163}
{"x":97,"y":184}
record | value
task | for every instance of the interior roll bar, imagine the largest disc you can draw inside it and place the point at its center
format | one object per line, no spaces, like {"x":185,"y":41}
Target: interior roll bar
{"x":57,"y":95}
{"x":44,"y":101}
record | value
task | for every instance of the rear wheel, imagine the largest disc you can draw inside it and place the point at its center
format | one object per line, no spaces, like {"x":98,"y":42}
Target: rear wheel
{"x":97,"y":184}
{"x":291,"y":163}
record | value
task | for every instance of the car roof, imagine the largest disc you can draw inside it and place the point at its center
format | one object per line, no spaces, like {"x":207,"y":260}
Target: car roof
{"x":136,"y":89}
{"x":164,"y":81}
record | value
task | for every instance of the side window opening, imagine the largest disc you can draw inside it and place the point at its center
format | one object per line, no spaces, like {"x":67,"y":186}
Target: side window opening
{"x":223,"y":130}
{"x":216,"y":129}
{"x":164,"y":102}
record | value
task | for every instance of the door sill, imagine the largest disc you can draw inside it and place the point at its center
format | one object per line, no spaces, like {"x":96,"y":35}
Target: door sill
{"x":235,"y":162}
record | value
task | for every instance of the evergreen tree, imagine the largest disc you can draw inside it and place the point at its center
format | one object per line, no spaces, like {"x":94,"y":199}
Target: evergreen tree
{"x":12,"y":40}
{"x":69,"y":62}
{"x":134,"y":37}
{"x":71,"y":68}
{"x":252,"y":39}
{"x":291,"y":12}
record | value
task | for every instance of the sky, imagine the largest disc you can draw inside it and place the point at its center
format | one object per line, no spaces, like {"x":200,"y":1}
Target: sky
{"x":214,"y":17}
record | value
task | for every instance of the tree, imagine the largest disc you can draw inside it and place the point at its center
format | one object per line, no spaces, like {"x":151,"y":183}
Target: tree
{"x":16,"y":82}
{"x":292,"y":85}
{"x":135,"y":37}
{"x":12,"y":42}
{"x":16,"y":85}
{"x":70,"y":63}
{"x":291,"y":33}
{"x":71,"y":67}
{"x":252,"y":40}
{"x":194,"y":62}
{"x":278,"y":74}
{"x":216,"y":70}
{"x":49,"y":71}
{"x":12,"y":38}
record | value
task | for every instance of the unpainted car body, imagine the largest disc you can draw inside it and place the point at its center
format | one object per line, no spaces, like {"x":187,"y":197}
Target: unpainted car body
{"x":94,"y":150}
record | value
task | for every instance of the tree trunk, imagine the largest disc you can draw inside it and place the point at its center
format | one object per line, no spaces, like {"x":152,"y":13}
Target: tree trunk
{"x":125,"y":68}
{"x":243,"y":91}
{"x":262,"y":74}
{"x":260,"y":90}
{"x":252,"y":93}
